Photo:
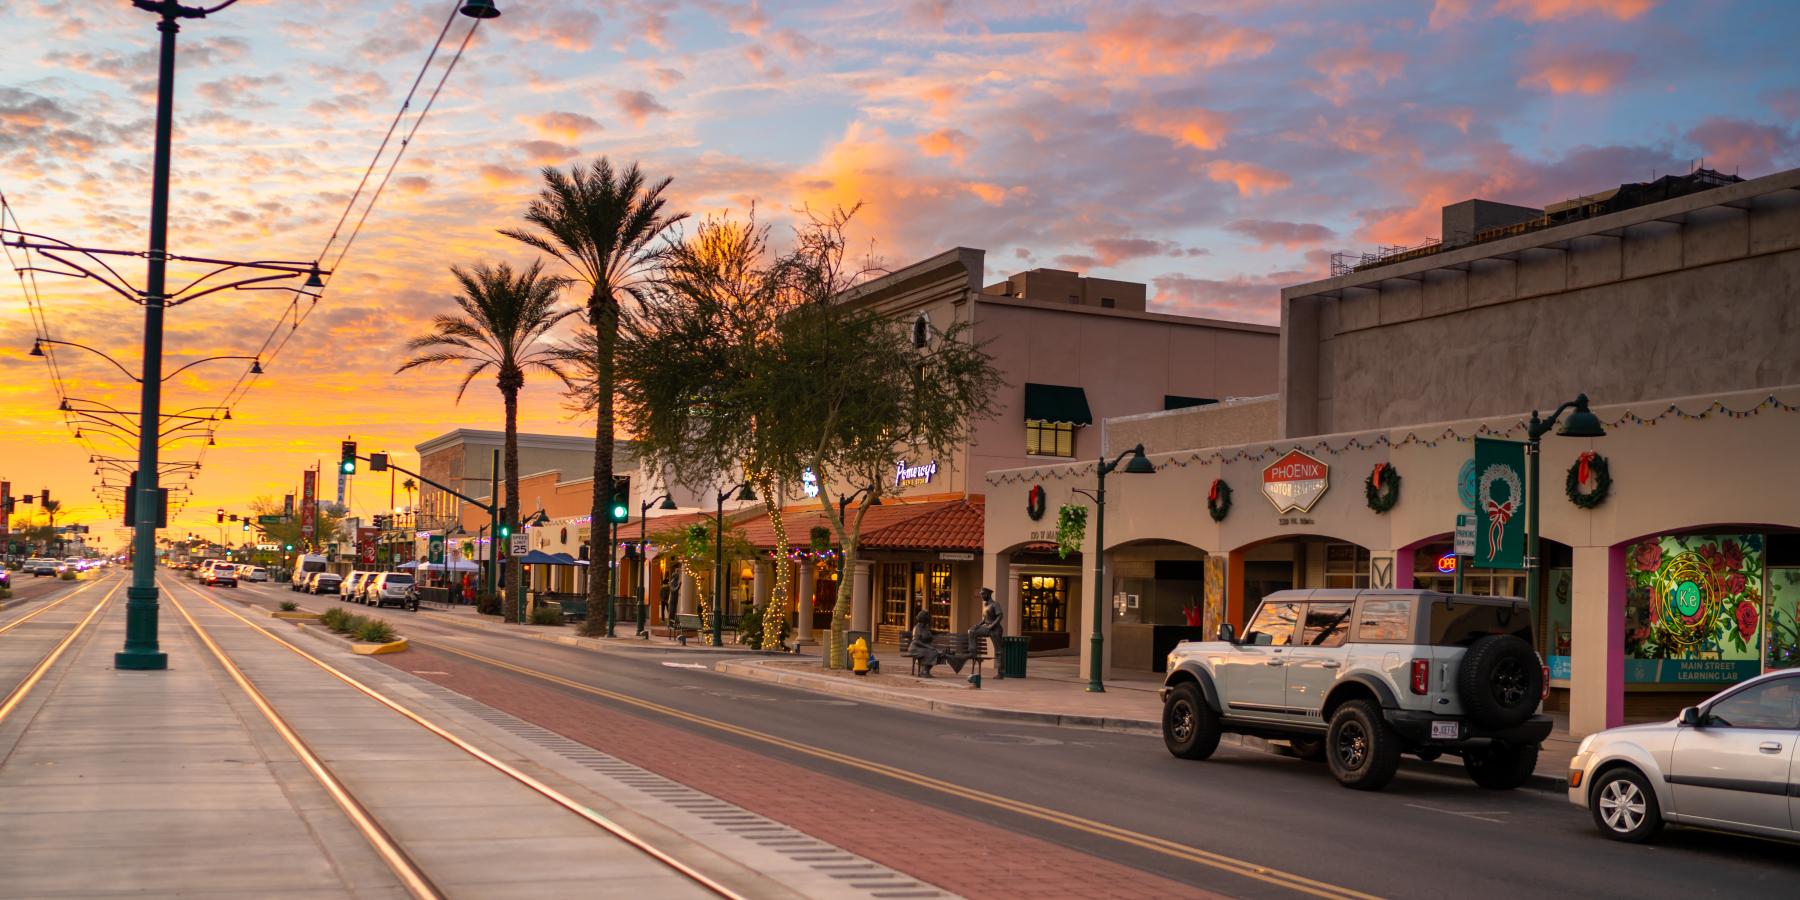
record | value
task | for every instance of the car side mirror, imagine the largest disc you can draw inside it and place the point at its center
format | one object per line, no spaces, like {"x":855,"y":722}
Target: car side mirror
{"x":1691,"y":717}
{"x":1227,"y":633}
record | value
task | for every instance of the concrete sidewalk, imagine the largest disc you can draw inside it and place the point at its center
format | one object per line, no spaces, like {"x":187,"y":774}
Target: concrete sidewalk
{"x":1053,"y":693}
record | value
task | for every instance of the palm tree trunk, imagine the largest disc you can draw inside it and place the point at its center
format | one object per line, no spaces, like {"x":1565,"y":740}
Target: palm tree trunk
{"x":511,"y":469}
{"x":604,"y":316}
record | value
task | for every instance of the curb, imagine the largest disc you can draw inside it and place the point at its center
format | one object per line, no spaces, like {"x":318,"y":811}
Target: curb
{"x":377,"y":649}
{"x":628,"y":645}
{"x":755,"y":671}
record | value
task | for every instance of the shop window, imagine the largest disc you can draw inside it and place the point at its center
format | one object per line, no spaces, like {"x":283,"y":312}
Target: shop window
{"x":1346,"y":566}
{"x":1043,"y":603}
{"x":1049,"y":438}
{"x":1273,"y":625}
{"x":1385,"y":620}
{"x":1692,"y":609}
{"x":894,"y":595}
{"x":931,"y":587}
{"x":1327,"y":624}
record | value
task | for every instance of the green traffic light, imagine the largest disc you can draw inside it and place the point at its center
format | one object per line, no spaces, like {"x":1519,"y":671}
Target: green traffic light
{"x":349,"y":467}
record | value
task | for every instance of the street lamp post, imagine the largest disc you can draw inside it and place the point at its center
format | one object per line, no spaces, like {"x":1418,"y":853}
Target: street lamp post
{"x":665,"y":503}
{"x":1581,"y":424}
{"x":745,"y":494}
{"x":1138,"y":464}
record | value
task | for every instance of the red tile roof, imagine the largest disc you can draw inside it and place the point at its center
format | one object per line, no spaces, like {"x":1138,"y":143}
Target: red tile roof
{"x":939,"y":524}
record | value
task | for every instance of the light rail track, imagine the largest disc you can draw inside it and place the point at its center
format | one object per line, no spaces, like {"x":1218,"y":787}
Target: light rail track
{"x":31,"y":679}
{"x":391,"y":852}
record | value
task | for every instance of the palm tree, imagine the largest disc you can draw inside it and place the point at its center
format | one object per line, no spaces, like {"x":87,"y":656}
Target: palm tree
{"x":603,"y":224}
{"x":503,"y":328}
{"x":409,"y":486}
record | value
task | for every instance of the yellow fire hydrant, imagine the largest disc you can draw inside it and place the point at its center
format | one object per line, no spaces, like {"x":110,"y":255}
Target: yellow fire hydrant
{"x":859,"y":657}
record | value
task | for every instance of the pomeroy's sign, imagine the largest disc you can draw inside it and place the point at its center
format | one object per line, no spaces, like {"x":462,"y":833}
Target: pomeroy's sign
{"x":920,"y":474}
{"x":1296,"y":481}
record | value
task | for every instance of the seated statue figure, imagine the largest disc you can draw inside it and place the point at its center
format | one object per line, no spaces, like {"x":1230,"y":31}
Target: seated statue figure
{"x":992,"y":625}
{"x":921,"y":648}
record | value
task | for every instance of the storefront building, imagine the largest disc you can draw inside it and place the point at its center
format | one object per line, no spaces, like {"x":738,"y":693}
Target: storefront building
{"x":1675,"y":574}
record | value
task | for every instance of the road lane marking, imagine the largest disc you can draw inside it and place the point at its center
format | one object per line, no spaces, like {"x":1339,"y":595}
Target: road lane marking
{"x":1243,"y":868}
{"x":676,"y":665}
{"x":37,"y":674}
{"x":409,"y":873}
{"x":547,"y":791}
{"x":1480,"y":815}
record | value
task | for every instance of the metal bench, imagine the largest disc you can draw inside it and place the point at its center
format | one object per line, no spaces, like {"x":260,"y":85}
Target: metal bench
{"x":955,"y":645}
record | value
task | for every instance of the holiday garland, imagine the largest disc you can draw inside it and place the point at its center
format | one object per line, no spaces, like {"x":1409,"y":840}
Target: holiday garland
{"x":1589,"y":465}
{"x":1382,"y":488}
{"x":1034,"y":502}
{"x":1071,"y":529}
{"x":1218,"y":500}
{"x":821,"y":538}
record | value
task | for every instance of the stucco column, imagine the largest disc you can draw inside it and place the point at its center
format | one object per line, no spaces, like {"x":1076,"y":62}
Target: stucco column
{"x":760,"y":586}
{"x":1597,"y":640}
{"x":688,"y":604}
{"x":804,"y":589}
{"x":998,"y":574}
{"x":859,"y":596}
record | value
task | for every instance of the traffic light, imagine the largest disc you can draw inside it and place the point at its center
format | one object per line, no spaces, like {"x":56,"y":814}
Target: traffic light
{"x":505,"y":531}
{"x":44,"y":497}
{"x":619,"y":509}
{"x":221,"y":517}
{"x":290,"y":547}
{"x":246,"y":524}
{"x":347,"y":460}
{"x":378,"y":462}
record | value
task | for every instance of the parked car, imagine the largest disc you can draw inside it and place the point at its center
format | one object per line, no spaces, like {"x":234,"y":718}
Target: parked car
{"x":392,"y":588}
{"x":5,"y":578}
{"x":1363,"y":676}
{"x":256,"y":573}
{"x":323,"y":583}
{"x":1723,"y":765}
{"x":40,"y":567}
{"x":219,"y":575}
{"x":352,"y":589}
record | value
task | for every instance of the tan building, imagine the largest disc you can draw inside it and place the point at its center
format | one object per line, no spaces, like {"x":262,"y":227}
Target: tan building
{"x":1675,"y":316}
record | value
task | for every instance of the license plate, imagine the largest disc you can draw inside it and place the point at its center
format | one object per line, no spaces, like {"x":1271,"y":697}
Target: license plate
{"x":1443,"y":731}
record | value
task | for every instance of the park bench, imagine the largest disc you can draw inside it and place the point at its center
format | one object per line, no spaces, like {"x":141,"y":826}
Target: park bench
{"x":686,"y":622}
{"x":954,"y":645}
{"x":574,"y":606}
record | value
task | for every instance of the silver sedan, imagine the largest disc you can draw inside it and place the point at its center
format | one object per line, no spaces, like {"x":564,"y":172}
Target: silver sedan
{"x":1726,"y":764}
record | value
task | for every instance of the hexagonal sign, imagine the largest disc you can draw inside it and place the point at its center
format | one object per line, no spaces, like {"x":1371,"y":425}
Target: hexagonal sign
{"x":1296,"y":481}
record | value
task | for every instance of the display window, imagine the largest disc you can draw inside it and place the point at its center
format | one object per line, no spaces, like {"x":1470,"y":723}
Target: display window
{"x":1043,"y":603}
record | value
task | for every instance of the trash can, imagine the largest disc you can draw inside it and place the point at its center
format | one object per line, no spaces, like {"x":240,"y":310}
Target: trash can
{"x":1012,"y":656}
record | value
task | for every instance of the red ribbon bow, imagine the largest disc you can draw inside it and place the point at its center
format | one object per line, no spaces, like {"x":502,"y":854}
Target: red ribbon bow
{"x":1212,"y":496}
{"x":1585,"y":467}
{"x":1378,"y":468}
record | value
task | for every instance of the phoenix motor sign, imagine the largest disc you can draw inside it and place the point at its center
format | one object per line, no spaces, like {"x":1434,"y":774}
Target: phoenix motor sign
{"x":1295,"y":482}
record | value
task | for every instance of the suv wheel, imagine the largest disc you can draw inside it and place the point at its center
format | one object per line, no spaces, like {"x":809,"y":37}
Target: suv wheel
{"x":1624,"y":807}
{"x":1190,"y":727}
{"x":1362,"y":749}
{"x":1501,"y":767}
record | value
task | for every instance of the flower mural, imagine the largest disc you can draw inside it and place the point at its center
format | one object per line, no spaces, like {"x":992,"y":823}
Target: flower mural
{"x":1694,"y":601}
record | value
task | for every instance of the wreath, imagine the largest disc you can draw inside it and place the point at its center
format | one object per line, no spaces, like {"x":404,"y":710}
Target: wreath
{"x":1218,"y":500}
{"x":1071,"y":529}
{"x":820,"y":538}
{"x":1589,"y":466}
{"x":1034,"y":502}
{"x":1382,"y":488}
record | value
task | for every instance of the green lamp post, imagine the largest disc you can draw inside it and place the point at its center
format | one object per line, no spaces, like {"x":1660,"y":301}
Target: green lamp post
{"x":1581,"y":424}
{"x":745,"y":494}
{"x":665,"y":503}
{"x":1135,"y":464}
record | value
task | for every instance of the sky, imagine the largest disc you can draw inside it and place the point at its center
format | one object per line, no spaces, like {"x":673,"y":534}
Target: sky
{"x":1215,"y":151}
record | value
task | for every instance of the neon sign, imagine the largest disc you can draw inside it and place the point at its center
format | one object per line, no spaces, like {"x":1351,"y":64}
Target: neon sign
{"x":1446,"y":564}
{"x":907,"y":475}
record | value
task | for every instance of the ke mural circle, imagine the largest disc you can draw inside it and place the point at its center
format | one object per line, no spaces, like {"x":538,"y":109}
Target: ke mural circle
{"x":1688,"y":609}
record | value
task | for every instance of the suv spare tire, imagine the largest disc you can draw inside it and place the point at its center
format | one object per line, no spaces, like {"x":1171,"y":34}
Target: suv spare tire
{"x":1500,"y":681}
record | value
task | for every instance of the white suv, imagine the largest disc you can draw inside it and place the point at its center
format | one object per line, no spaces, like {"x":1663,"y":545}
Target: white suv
{"x":1362,"y":676}
{"x":391,"y":587}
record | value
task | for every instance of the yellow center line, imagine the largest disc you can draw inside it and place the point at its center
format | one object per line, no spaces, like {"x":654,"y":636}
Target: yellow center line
{"x":1219,"y":861}
{"x":46,"y":608}
{"x":547,"y":791}
{"x":408,"y":872}
{"x":37,"y":674}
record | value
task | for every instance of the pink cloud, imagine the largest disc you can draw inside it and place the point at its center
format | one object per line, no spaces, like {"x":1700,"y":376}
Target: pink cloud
{"x":1240,"y":297}
{"x":1549,"y":10}
{"x":1562,"y":71}
{"x":1201,"y":129}
{"x":547,"y":152}
{"x":951,"y":142}
{"x":1751,"y":147}
{"x":1272,"y":233}
{"x":1344,"y":67}
{"x":565,"y":126}
{"x":1144,"y":42}
{"x":1248,"y":178}
{"x":638,"y":105}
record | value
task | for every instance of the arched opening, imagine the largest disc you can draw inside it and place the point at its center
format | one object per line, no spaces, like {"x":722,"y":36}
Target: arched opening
{"x":1163,"y":592}
{"x":1291,"y":562}
{"x":1048,"y":591}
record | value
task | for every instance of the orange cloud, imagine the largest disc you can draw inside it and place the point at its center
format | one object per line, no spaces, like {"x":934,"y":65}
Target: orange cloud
{"x":1566,"y":72}
{"x":1147,"y":42}
{"x":563,"y":126}
{"x":1248,"y":178}
{"x":1201,"y":129}
{"x":500,"y":176}
{"x":991,"y":194}
{"x":638,"y":105}
{"x":1549,"y":10}
{"x":1342,"y":66}
{"x":951,"y":142}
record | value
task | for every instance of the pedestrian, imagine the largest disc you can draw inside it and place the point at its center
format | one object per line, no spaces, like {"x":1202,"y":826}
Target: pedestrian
{"x":468,"y":589}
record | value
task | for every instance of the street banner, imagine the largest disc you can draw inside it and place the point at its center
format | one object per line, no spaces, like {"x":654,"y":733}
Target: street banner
{"x":365,"y":545}
{"x":435,"y":550}
{"x":1499,"y":504}
{"x":287,"y":505}
{"x":5,"y":516}
{"x":309,"y":492}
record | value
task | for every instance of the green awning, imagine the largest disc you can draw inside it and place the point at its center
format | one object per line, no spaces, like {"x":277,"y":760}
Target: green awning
{"x":1057,"y":403}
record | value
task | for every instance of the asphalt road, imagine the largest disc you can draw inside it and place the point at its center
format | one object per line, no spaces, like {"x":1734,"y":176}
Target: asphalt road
{"x":1429,"y":834}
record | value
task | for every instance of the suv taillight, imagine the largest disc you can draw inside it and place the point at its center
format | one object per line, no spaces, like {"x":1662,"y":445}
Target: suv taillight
{"x":1544,"y":692}
{"x":1421,"y":676}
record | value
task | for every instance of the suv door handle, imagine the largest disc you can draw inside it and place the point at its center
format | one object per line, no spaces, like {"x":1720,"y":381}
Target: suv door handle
{"x":1769,"y":747}
{"x":1273,"y":662}
{"x":1331,"y":664}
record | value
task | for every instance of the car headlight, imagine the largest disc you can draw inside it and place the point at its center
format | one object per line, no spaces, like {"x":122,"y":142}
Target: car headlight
{"x":1587,"y":743}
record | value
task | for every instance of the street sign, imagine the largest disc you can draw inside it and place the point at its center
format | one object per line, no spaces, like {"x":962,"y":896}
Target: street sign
{"x":521,"y":545}
{"x":271,"y":520}
{"x":1465,"y":534}
{"x":435,"y":551}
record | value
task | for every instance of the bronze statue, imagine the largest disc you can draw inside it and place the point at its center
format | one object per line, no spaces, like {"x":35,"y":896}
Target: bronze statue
{"x":992,"y":625}
{"x":921,"y":648}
